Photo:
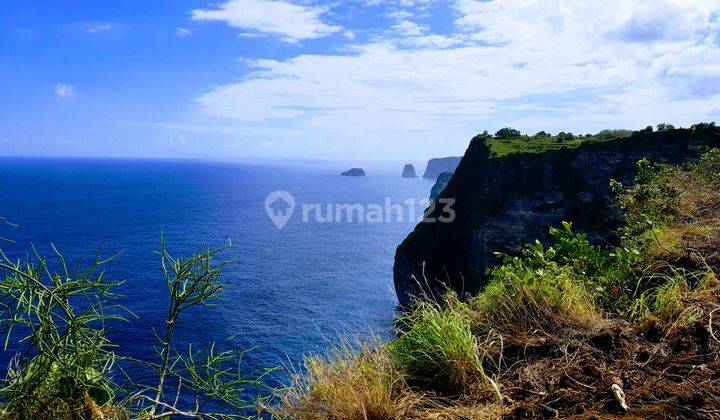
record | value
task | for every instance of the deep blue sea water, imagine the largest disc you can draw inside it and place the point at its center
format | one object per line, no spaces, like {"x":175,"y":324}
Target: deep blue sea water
{"x":290,"y":292}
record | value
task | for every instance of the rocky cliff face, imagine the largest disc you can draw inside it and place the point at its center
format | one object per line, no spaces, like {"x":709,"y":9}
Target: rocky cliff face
{"x":440,"y":183}
{"x":409,"y":171}
{"x":439,"y":165}
{"x":502,"y":203}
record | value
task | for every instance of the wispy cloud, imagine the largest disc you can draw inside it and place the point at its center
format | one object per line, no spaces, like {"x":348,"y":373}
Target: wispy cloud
{"x":182,"y":32}
{"x":98,"y":27}
{"x":291,"y":22}
{"x":561,"y":64}
{"x":64,"y":91}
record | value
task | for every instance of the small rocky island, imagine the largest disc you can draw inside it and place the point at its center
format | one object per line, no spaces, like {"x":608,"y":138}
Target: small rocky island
{"x":354,"y":172}
{"x":409,"y":171}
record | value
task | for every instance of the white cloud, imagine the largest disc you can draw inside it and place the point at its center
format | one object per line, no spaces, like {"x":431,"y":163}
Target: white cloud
{"x":291,"y":22}
{"x":182,"y":32}
{"x":64,"y":91}
{"x":408,"y":28}
{"x":98,"y":27}
{"x":537,"y":64}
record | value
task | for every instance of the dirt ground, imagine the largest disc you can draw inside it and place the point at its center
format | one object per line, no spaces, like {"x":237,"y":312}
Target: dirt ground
{"x":673,"y":376}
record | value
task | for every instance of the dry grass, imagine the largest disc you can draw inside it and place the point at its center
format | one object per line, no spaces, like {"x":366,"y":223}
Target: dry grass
{"x":511,"y":304}
{"x":350,"y":383}
{"x":463,"y":412}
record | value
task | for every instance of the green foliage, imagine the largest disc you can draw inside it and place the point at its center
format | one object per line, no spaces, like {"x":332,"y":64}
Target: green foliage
{"x":653,"y":199}
{"x":564,"y":137}
{"x":507,"y":133}
{"x":522,"y":295}
{"x":707,"y":169}
{"x":58,"y":316}
{"x":438,"y":350}
{"x":509,"y":141}
{"x":704,"y":128}
{"x":65,"y":367}
{"x":572,"y":261}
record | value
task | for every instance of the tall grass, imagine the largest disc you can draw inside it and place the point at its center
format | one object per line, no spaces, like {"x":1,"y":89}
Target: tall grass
{"x":352,"y":382}
{"x":437,"y":349}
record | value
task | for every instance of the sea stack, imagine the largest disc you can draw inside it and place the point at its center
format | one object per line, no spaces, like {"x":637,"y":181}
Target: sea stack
{"x":354,"y":172}
{"x":409,"y":171}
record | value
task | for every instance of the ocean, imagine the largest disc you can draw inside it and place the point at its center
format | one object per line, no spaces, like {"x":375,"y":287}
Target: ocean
{"x":289,"y":293}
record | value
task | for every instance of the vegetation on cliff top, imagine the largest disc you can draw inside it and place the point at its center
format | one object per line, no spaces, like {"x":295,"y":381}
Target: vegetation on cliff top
{"x":509,"y":141}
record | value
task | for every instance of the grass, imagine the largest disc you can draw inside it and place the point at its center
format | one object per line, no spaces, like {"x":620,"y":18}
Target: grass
{"x":352,"y":382}
{"x":438,"y":349}
{"x":526,"y":298}
{"x":542,"y":143}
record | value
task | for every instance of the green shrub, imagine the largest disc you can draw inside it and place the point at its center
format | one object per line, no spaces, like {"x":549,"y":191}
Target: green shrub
{"x":438,"y":350}
{"x":524,"y":293}
{"x":66,"y":368}
{"x":707,"y":169}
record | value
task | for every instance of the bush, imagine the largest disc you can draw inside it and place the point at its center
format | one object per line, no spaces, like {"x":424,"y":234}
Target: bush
{"x":438,"y":350}
{"x":533,"y":292}
{"x":507,"y":133}
{"x":66,"y":368}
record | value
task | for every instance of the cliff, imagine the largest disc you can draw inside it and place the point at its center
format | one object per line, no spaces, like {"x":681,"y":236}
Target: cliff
{"x":439,"y":165}
{"x":440,"y":184}
{"x":409,"y":171}
{"x":507,"y":194}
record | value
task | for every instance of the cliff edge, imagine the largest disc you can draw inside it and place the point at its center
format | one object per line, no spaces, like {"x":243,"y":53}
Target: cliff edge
{"x":507,"y":194}
{"x":439,"y":165}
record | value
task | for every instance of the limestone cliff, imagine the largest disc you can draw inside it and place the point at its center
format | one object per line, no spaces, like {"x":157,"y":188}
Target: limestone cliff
{"x":503,"y":202}
{"x":439,"y":165}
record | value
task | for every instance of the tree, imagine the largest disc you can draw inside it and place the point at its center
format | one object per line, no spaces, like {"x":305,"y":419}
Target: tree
{"x":543,"y":134}
{"x":704,"y":128}
{"x":563,"y":136}
{"x":665,"y":127}
{"x":507,"y":133}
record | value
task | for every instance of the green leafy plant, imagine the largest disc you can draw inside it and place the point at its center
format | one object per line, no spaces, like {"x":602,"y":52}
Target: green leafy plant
{"x":65,"y":367}
{"x":58,"y":318}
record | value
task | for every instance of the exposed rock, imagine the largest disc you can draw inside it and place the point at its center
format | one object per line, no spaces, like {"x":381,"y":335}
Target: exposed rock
{"x":354,"y":172}
{"x":439,"y":165}
{"x":409,"y":171}
{"x":502,"y":203}
{"x":440,"y":184}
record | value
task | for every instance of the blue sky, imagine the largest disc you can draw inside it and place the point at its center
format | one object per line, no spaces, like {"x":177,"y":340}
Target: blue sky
{"x":348,"y":79}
